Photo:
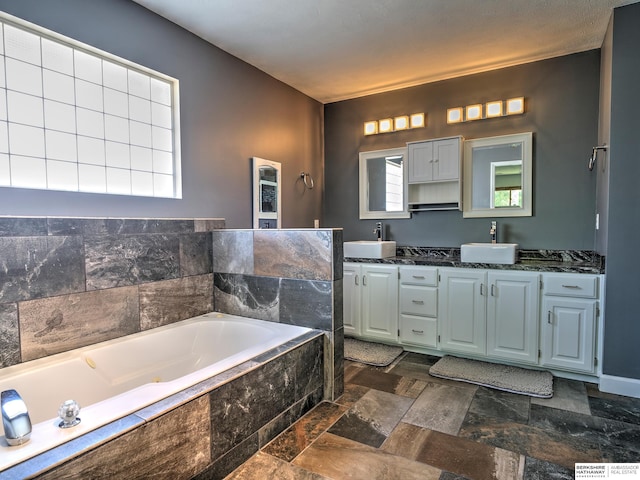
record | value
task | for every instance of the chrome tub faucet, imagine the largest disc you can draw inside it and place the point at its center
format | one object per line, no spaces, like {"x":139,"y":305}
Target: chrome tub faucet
{"x":15,"y":418}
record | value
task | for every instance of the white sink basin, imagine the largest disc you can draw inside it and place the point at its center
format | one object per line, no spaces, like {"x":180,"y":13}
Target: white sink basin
{"x":370,"y":249}
{"x":504,"y":253}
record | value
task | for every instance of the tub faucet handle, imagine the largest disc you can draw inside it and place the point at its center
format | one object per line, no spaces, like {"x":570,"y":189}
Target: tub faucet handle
{"x":68,"y":412}
{"x":15,"y":418}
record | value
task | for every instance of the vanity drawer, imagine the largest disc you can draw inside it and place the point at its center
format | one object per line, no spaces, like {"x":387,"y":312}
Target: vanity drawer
{"x":419,"y":276}
{"x":418,"y":300}
{"x":571,"y":285}
{"x":419,"y":330}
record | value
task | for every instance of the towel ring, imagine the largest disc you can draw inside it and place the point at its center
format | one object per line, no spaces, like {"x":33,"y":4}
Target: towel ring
{"x":306,"y":178}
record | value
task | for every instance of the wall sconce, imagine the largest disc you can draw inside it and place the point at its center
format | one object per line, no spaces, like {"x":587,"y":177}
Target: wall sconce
{"x":371,"y":128}
{"x":474,"y":112}
{"x":515,"y":106}
{"x":454,"y":115}
{"x":494,"y":109}
{"x":401,"y":122}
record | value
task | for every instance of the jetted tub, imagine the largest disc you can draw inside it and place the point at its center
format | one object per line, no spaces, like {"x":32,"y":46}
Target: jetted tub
{"x":115,"y":378}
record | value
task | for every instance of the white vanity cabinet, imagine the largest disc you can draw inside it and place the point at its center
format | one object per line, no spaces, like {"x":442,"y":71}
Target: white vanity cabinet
{"x":568,"y":322}
{"x":512,"y":316}
{"x":490,"y":313}
{"x":462,"y":304}
{"x":371,"y":301}
{"x":418,"y":322}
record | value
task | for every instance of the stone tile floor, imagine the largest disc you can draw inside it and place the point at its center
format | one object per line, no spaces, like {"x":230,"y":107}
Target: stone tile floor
{"x":399,"y":422}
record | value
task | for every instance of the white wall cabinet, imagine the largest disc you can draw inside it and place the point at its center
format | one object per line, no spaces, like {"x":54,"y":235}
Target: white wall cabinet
{"x":419,"y":306}
{"x":370,"y":301}
{"x":434,"y":160}
{"x":568,"y":322}
{"x":512,"y":316}
{"x":433,"y":169}
{"x":463,"y":311}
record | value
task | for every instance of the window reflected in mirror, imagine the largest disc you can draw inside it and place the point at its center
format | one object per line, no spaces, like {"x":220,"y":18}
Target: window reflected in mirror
{"x":497,"y":173}
{"x":382,"y":184}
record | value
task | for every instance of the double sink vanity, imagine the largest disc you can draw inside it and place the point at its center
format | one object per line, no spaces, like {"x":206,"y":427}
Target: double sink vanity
{"x":485,"y":301}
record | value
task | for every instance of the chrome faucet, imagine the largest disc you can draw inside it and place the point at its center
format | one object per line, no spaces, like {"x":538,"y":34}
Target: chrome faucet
{"x":379,"y":231}
{"x":494,"y":231}
{"x":15,"y":418}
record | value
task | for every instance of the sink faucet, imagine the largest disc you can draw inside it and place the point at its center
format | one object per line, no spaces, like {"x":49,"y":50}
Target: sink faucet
{"x":494,"y":231}
{"x":15,"y":418}
{"x":379,"y":231}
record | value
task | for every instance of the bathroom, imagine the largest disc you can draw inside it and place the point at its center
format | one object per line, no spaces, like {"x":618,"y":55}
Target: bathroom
{"x":252,"y":114}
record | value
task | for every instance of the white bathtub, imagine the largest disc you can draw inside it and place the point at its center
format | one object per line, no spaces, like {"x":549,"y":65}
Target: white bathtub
{"x":115,"y":378}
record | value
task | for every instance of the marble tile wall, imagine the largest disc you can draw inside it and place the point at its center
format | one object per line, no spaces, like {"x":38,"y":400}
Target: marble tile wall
{"x":66,"y":282}
{"x":286,"y":276}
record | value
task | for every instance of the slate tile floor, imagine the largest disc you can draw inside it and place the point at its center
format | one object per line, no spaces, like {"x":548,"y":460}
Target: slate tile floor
{"x":400,"y":423}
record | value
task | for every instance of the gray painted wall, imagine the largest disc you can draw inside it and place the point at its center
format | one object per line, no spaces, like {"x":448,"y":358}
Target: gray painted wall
{"x":230,"y":112}
{"x":561,"y":97}
{"x":622,"y":328}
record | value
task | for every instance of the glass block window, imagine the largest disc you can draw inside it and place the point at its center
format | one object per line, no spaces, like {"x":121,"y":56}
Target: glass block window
{"x":75,"y":118}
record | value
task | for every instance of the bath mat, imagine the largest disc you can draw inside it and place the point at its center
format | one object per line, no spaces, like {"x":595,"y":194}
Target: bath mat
{"x":370,"y":353}
{"x":535,"y":383}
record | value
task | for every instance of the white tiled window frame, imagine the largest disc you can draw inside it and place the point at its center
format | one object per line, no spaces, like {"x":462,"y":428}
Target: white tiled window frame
{"x":76,"y":118}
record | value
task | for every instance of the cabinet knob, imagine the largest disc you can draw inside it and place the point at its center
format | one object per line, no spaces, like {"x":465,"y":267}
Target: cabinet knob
{"x":357,"y":280}
{"x":418,"y":302}
{"x":549,"y":317}
{"x":417,"y":332}
{"x":418,"y":277}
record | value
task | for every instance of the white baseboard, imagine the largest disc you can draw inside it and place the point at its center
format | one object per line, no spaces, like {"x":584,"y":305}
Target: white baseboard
{"x":620,"y":385}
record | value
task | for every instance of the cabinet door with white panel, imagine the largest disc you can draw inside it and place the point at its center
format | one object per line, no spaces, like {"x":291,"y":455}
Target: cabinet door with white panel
{"x":352,"y":294}
{"x":380,"y":302}
{"x":418,"y":322}
{"x":568,"y":322}
{"x":434,"y":160}
{"x":512,"y":316}
{"x":462,"y":310}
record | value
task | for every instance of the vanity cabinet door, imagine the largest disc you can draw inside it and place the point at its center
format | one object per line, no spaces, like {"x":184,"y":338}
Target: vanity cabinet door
{"x":568,"y":333}
{"x":462,"y":305}
{"x":380,"y":302}
{"x":352,"y":294}
{"x":512,"y":316}
{"x":420,"y":162}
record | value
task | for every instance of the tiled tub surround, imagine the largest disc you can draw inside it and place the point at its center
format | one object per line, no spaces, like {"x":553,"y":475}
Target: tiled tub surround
{"x":286,"y":276}
{"x":203,"y":432}
{"x":112,"y":379}
{"x":564,"y":261}
{"x":66,"y":283}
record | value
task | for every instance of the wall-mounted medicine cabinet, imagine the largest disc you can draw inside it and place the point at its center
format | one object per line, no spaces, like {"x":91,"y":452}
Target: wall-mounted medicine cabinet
{"x":498,"y":176}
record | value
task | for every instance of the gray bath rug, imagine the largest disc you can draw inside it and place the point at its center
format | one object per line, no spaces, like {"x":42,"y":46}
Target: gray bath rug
{"x":370,"y":353}
{"x":535,"y":383}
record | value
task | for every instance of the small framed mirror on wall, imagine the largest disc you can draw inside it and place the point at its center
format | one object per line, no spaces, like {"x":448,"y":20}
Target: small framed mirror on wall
{"x":267,"y":204}
{"x":383,"y":180}
{"x":498,"y":176}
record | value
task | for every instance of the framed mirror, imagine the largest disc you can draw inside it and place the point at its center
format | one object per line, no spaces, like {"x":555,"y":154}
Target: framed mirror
{"x":383,"y":181}
{"x":267,"y":182}
{"x":498,"y":176}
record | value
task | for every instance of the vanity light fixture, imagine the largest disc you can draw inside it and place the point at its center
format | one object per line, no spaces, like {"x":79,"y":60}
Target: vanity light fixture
{"x":371,"y":128}
{"x":401,"y":122}
{"x":493,"y":109}
{"x":474,"y":112}
{"x":515,"y":106}
{"x":385,"y":125}
{"x":417,"y":120}
{"x":454,"y":115}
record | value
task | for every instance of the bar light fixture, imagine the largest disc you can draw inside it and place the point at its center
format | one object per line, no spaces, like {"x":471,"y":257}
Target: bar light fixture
{"x":395,"y":124}
{"x":493,"y":109}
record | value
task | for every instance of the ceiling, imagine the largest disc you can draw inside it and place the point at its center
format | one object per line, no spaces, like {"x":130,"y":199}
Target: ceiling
{"x":334,"y":50}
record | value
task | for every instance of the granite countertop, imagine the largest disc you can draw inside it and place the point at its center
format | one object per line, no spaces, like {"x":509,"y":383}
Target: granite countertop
{"x":563,"y":261}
